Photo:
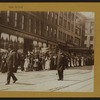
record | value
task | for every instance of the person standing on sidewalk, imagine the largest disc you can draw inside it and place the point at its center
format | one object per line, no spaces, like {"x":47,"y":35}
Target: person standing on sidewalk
{"x":10,"y":64}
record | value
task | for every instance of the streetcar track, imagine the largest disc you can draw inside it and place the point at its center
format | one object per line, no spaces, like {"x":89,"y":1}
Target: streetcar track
{"x":53,"y":76}
{"x":83,"y":86}
{"x":61,"y":87}
{"x":46,"y":80}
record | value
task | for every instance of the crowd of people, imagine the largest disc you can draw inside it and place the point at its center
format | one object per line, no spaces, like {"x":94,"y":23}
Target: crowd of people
{"x":30,"y":61}
{"x":35,"y":62}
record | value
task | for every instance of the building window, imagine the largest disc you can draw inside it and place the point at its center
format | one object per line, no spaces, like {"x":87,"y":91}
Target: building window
{"x":91,"y":38}
{"x":8,"y":15}
{"x":47,"y":28}
{"x":77,"y":41}
{"x":68,"y":25}
{"x":55,"y":33}
{"x":51,"y":29}
{"x":64,"y":36}
{"x":72,"y":16}
{"x":85,"y":37}
{"x":30,"y":23}
{"x":68,"y":38}
{"x":65,"y":15}
{"x":52,"y":14}
{"x":61,"y":14}
{"x":72,"y":28}
{"x":78,"y":22}
{"x":56,"y":16}
{"x":77,"y":31}
{"x":91,"y":31}
{"x":16,"y":19}
{"x":60,"y":21}
{"x":65,"y":23}
{"x":51,"y":33}
{"x":48,"y":13}
{"x":71,"y":39}
{"x":35,"y":26}
{"x":23,"y":18}
{"x":85,"y":45}
{"x":69,"y":15}
{"x":59,"y":35}
{"x":40,"y":28}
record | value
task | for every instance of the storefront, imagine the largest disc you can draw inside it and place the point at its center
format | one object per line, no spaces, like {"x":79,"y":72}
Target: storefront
{"x":24,"y":42}
{"x":16,"y":41}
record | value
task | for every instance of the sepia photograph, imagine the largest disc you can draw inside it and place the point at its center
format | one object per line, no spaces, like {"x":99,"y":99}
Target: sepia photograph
{"x":47,"y":51}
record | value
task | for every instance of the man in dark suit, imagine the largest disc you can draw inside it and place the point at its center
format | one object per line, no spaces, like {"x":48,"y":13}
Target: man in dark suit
{"x":10,"y":64}
{"x":60,"y":64}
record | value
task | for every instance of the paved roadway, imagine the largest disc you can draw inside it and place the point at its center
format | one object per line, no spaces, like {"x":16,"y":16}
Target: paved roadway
{"x":76,"y":79}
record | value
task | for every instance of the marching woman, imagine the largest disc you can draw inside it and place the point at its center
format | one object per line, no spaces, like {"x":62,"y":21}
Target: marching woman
{"x":36,"y":63}
{"x":47,"y":63}
{"x":82,"y":61}
{"x":26,"y":64}
{"x":52,"y":65}
{"x":3,"y":63}
{"x":77,"y":61}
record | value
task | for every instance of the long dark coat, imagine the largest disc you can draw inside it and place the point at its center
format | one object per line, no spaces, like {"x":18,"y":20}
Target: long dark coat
{"x":58,"y":60}
{"x":61,"y":62}
{"x":11,"y":61}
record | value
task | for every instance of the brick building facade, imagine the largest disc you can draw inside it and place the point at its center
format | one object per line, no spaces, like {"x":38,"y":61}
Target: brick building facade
{"x":29,"y":31}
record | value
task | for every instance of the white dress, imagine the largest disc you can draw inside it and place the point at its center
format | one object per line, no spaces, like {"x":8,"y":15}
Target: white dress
{"x":77,"y":61}
{"x":82,"y":61}
{"x":69,"y":63}
{"x":47,"y":63}
{"x":72,"y":65}
{"x":26,"y":64}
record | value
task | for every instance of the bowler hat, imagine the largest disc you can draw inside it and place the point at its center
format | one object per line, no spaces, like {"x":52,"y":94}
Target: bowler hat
{"x":10,"y":46}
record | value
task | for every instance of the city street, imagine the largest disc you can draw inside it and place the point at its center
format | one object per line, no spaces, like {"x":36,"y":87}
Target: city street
{"x":76,"y":79}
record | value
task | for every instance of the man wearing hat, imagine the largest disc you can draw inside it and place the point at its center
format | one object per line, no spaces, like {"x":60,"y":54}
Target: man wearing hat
{"x":10,"y":64}
{"x":60,"y":64}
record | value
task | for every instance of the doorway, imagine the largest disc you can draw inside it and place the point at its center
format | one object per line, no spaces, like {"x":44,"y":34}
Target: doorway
{"x":28,"y":45}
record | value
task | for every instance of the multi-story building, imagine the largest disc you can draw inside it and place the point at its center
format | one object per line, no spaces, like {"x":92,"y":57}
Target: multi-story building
{"x":28,"y":30}
{"x":89,"y":34}
{"x":71,"y":28}
{"x":31,"y":31}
